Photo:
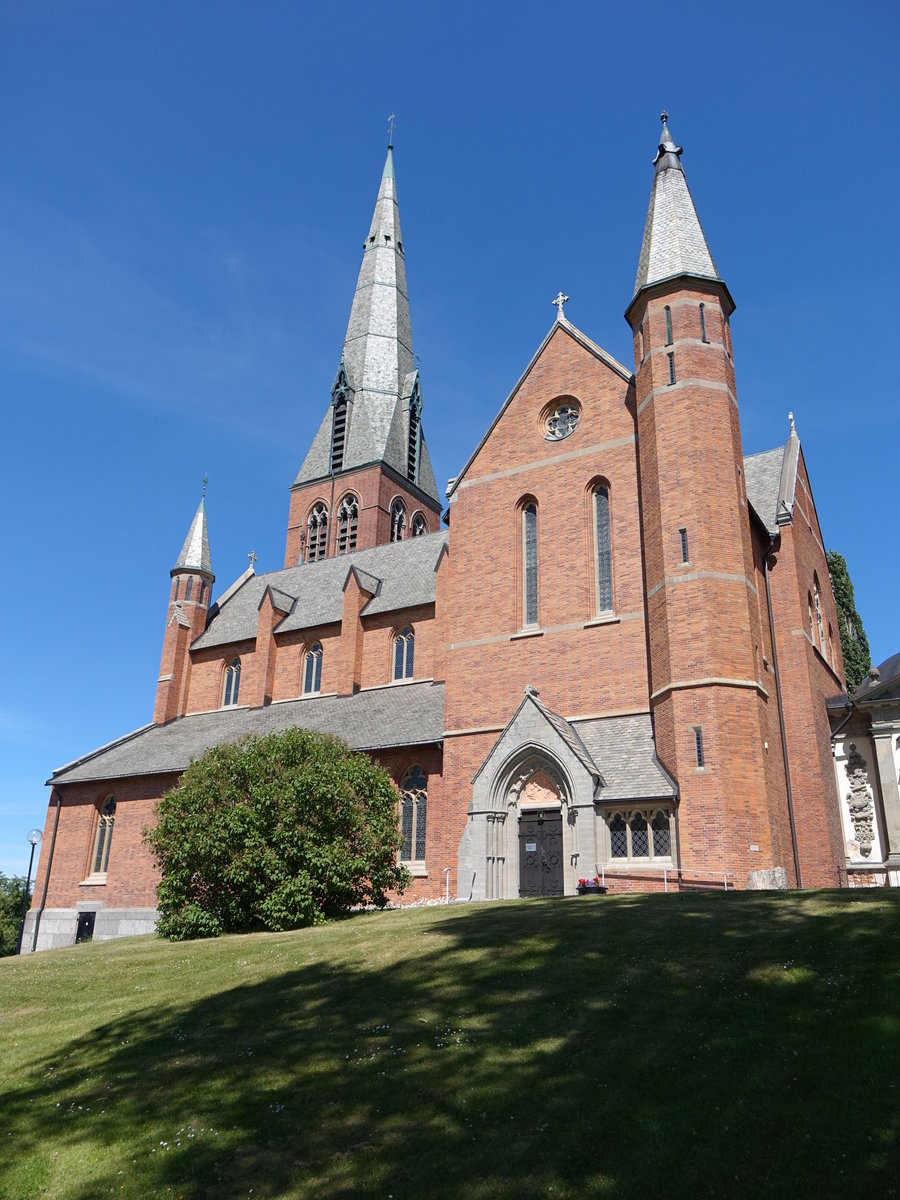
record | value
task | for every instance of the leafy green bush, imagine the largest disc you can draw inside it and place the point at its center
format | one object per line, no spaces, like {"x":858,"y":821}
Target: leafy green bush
{"x":12,"y":893}
{"x":274,"y":833}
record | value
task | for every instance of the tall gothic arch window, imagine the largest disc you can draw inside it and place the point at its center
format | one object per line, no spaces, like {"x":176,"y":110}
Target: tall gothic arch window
{"x":232,"y":687}
{"x":347,"y":518}
{"x":412,"y":456}
{"x":398,"y":521}
{"x":413,"y":814}
{"x":312,"y":670}
{"x":602,"y":549}
{"x":818,"y":602}
{"x":103,"y":840}
{"x":189,"y":590}
{"x":404,"y":648}
{"x":418,"y":525}
{"x":317,"y":533}
{"x":529,"y":564}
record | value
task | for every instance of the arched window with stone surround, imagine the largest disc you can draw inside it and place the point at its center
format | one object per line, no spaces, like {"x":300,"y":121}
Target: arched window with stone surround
{"x":413,"y":814}
{"x":232,"y":685}
{"x":103,"y":840}
{"x":398,"y":521}
{"x":602,"y":549}
{"x":317,"y":532}
{"x":529,"y":555}
{"x":418,"y":526}
{"x":312,"y":670}
{"x":817,"y":600}
{"x":404,"y":648}
{"x":347,"y":520}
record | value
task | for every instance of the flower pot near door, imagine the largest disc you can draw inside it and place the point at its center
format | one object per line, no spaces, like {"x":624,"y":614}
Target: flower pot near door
{"x":590,"y":887}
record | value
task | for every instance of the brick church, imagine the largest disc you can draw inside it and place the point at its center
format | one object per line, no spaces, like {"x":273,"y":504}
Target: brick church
{"x":607,"y":650}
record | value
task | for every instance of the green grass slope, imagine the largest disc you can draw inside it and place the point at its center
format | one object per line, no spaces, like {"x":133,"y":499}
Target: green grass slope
{"x":656,"y":1046}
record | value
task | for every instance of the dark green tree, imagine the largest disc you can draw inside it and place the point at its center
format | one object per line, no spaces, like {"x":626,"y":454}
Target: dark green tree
{"x":274,"y":833}
{"x":12,"y":893}
{"x":854,"y":643}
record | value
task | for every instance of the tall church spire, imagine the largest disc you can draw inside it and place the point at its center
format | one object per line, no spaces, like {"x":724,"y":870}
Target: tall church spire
{"x":674,"y":242}
{"x":367,"y":478}
{"x":377,"y":376}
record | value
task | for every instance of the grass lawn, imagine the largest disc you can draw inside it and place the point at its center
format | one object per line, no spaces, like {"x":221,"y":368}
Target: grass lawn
{"x":656,"y":1046}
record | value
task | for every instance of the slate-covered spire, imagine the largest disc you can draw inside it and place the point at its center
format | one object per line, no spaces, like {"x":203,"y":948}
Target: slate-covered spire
{"x":194,"y":554}
{"x":674,"y":242}
{"x":377,"y":376}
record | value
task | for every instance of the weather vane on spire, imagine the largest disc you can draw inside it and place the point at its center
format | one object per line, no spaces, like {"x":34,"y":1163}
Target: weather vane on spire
{"x":391,"y":120}
{"x":560,"y":300}
{"x":205,"y":485}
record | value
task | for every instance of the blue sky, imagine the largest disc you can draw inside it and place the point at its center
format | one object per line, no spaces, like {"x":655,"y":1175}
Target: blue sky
{"x":184,"y":192}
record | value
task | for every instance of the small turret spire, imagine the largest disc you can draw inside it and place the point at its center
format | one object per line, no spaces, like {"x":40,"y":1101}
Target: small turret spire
{"x":674,"y":242}
{"x":194,"y":554}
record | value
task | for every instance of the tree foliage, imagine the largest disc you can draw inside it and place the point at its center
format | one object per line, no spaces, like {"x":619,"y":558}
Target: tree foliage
{"x":274,"y":833}
{"x":12,"y":893}
{"x":854,"y":643}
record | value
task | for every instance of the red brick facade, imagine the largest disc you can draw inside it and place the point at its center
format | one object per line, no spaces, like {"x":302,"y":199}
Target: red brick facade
{"x":686,"y":642}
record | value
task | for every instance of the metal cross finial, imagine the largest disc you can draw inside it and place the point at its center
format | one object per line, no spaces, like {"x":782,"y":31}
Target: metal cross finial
{"x":253,"y":558}
{"x":560,"y":300}
{"x":205,"y":485}
{"x":391,"y":120}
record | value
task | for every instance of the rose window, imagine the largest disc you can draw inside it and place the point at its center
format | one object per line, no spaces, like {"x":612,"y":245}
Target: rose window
{"x":561,"y":422}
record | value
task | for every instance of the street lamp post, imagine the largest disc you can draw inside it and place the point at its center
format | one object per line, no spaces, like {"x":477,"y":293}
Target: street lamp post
{"x":33,"y":837}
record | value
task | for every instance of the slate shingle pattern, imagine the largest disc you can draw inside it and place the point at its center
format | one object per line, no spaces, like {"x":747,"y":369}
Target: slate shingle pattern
{"x":404,"y":572}
{"x":623,"y":749}
{"x":762,"y":476}
{"x":410,"y":714}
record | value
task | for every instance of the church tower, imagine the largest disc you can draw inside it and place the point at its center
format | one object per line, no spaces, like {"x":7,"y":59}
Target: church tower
{"x":703,"y":621}
{"x":189,"y":599}
{"x":367,"y":478}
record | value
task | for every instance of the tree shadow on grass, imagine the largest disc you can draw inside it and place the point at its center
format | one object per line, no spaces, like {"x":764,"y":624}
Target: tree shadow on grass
{"x":636,"y":1047}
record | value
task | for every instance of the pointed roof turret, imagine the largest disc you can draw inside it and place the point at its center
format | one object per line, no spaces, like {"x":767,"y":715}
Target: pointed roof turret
{"x":674,"y":242}
{"x":377,"y":359}
{"x":194,"y":554}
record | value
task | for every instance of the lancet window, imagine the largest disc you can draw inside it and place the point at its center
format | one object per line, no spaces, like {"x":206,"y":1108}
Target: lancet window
{"x":104,"y":836}
{"x":312,"y":670}
{"x":603,"y":551}
{"x":347,"y":519}
{"x":232,"y":687}
{"x":529,"y":564}
{"x":418,"y":525}
{"x":398,"y":521}
{"x":317,"y":533}
{"x":413,"y":814}
{"x":404,"y":648}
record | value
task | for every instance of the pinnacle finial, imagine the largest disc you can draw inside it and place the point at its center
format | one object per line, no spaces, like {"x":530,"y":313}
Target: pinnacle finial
{"x":391,"y":120}
{"x":253,"y":560}
{"x":664,"y":117}
{"x":205,"y":486}
{"x":791,"y":419}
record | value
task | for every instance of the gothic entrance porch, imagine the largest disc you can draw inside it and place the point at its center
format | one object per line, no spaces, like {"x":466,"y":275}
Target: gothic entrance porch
{"x":540,"y":854}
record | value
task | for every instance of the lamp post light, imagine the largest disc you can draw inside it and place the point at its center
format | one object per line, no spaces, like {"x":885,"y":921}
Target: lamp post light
{"x":34,"y":837}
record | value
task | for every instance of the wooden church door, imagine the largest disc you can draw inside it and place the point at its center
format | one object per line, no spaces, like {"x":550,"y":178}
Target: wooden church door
{"x":540,"y":854}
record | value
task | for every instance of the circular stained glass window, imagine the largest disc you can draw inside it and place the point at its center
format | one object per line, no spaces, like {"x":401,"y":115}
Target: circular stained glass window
{"x":561,"y":421}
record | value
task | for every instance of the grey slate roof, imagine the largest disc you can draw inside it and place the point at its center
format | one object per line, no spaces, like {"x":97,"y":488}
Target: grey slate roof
{"x":771,"y":481}
{"x":409,"y":714}
{"x":404,"y":571}
{"x":762,"y":475}
{"x":674,"y":242}
{"x":377,"y":357}
{"x":569,"y":735}
{"x":195,"y":551}
{"x":624,"y":750}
